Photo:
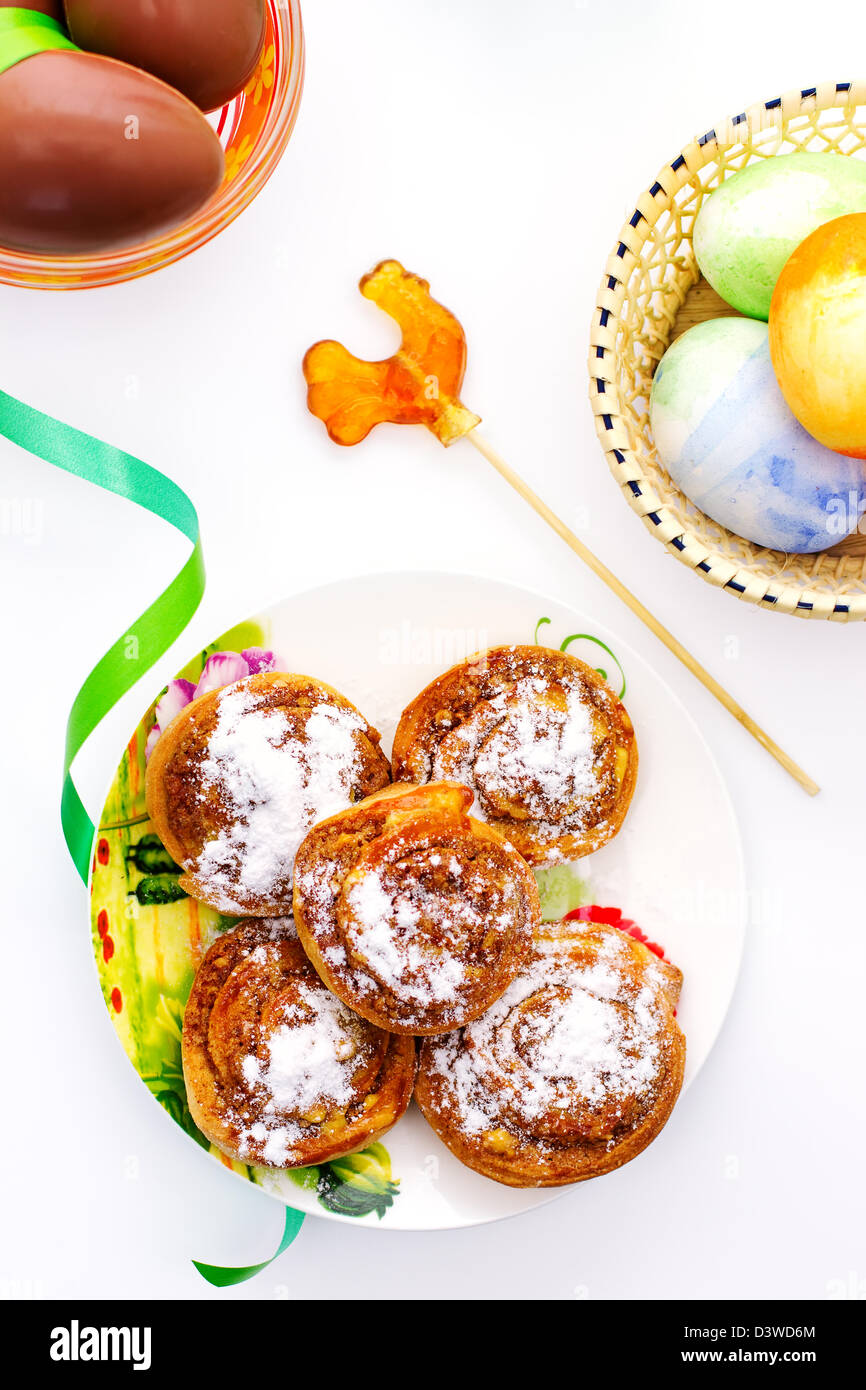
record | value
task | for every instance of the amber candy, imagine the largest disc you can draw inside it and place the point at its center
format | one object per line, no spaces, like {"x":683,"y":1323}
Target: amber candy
{"x":419,"y":385}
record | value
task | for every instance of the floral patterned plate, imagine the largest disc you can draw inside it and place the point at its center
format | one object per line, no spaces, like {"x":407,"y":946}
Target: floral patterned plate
{"x":676,"y":877}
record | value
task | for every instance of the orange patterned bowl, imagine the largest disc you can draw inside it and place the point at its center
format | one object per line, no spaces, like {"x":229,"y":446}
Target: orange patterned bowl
{"x":254,"y":130}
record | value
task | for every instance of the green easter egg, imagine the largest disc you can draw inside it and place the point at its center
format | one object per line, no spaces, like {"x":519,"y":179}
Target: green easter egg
{"x":746,"y":230}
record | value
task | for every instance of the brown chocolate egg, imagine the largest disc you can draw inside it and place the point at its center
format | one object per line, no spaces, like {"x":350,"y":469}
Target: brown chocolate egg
{"x":53,"y":8}
{"x":208,"y":49}
{"x":95,"y":155}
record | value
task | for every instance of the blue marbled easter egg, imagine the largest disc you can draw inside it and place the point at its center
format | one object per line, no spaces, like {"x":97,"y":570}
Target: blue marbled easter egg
{"x":728,"y":440}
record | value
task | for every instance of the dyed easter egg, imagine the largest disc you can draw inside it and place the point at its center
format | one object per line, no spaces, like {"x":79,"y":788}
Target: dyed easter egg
{"x":730,"y":443}
{"x":818,"y":334}
{"x":95,"y":155}
{"x":746,"y":230}
{"x":207,"y":49}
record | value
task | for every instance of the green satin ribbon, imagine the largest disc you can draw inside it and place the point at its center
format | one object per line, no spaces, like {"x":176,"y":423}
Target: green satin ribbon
{"x":24,"y":33}
{"x":133,"y":653}
{"x":153,"y":633}
{"x":223,"y":1275}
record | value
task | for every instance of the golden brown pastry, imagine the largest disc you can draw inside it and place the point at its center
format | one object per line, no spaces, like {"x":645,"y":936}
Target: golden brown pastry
{"x":415,"y":914}
{"x":240,"y":775}
{"x":547,"y":748}
{"x":278,"y":1072}
{"x":573,"y":1072}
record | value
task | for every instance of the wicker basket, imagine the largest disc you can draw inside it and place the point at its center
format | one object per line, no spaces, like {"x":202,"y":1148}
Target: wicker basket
{"x":647,"y":280}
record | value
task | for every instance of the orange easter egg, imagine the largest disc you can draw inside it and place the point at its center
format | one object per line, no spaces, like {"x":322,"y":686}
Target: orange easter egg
{"x":818,"y":334}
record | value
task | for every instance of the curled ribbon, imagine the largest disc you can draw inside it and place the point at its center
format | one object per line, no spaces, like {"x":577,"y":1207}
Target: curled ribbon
{"x":24,"y":33}
{"x":114,"y":674}
{"x":224,"y":1275}
{"x":156,"y":629}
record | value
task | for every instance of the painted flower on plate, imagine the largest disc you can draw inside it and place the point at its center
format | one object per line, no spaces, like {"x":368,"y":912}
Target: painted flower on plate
{"x":222,"y":668}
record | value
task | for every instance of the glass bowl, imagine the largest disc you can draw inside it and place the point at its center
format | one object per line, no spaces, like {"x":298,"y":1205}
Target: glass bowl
{"x":254,"y":129}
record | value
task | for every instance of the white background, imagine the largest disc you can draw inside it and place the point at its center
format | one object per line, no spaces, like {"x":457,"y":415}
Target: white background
{"x":495,"y":147}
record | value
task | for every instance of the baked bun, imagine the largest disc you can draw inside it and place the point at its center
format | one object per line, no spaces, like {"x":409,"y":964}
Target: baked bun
{"x":278,"y":1072}
{"x":239,"y":776}
{"x":413,"y":913}
{"x":547,"y":748}
{"x":573,"y":1072}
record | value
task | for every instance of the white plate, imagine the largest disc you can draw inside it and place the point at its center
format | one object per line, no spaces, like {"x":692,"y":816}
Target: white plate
{"x":676,"y":867}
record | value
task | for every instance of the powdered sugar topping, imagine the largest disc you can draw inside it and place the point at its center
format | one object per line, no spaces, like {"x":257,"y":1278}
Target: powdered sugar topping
{"x":423,"y":929}
{"x":384,"y":933}
{"x":274,"y":786}
{"x":301,"y":1070}
{"x":520,"y":748}
{"x":581,"y":1041}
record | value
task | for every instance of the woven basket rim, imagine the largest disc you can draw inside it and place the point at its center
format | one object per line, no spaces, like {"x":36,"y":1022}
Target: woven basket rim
{"x":623,"y":460}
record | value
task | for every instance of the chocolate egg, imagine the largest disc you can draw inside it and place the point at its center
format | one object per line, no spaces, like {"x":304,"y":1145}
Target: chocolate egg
{"x":95,"y":155}
{"x":53,"y":8}
{"x":207,"y":49}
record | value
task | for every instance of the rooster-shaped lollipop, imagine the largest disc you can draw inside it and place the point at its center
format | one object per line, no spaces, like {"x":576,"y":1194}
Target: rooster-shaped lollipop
{"x":420,"y":385}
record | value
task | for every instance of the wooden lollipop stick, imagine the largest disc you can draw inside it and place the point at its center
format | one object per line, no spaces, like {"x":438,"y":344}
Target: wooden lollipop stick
{"x":352,"y":397}
{"x":607,"y":577}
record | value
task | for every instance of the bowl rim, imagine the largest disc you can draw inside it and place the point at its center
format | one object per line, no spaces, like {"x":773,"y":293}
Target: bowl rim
{"x":23,"y":270}
{"x":624,"y":461}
